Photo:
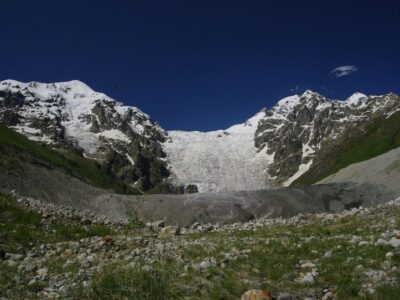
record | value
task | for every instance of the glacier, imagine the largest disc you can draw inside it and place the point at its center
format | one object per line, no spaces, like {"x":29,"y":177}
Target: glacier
{"x":218,"y":161}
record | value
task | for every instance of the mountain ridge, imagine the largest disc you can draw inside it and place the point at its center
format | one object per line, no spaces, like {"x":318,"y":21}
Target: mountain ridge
{"x":275,"y":147}
{"x":71,"y":115}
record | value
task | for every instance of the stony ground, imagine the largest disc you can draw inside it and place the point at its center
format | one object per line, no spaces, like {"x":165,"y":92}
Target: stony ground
{"x":48,"y":251}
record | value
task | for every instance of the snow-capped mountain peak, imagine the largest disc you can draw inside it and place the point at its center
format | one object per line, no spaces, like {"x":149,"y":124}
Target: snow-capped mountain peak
{"x":274,"y":147}
{"x":249,"y":126}
{"x":71,"y":114}
{"x":74,"y":87}
{"x":309,"y":93}
{"x":288,"y":102}
{"x":73,"y":104}
{"x":356,"y":98}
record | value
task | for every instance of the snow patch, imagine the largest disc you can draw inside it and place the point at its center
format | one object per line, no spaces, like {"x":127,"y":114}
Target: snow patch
{"x":115,"y":134}
{"x":289,"y":102}
{"x":302,"y":169}
{"x":356,"y":99}
{"x":33,"y":134}
{"x":130,"y":159}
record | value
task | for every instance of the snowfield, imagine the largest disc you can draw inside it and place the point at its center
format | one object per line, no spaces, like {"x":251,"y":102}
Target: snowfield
{"x":218,"y":161}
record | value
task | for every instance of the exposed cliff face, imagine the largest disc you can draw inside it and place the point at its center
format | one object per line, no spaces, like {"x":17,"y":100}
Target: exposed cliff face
{"x":71,"y":115}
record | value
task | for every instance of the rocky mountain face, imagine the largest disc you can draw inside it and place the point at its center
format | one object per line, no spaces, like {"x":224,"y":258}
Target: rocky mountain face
{"x":72,"y":116}
{"x":299,"y":130}
{"x":273,"y":148}
{"x":277,"y":145}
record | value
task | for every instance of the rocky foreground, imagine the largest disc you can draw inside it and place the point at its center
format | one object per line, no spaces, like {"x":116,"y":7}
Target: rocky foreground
{"x":50,"y":252}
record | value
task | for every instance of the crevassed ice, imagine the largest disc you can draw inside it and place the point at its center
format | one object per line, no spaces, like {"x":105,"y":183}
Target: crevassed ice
{"x":217,"y":161}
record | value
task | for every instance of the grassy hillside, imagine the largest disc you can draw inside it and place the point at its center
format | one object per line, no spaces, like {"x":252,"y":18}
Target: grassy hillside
{"x":12,"y":144}
{"x":22,"y":229}
{"x":378,"y":137}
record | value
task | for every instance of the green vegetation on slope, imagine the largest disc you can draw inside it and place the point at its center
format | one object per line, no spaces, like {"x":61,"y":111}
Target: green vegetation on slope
{"x":272,"y":262}
{"x":21,"y":229}
{"x":380,"y":136}
{"x":87,"y":170}
{"x":135,"y":284}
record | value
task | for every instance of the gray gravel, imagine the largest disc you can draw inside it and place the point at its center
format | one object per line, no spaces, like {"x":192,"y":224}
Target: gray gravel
{"x":382,"y":170}
{"x":54,"y":186}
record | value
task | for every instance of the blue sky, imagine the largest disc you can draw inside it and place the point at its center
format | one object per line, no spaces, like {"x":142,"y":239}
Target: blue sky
{"x":202,"y":65}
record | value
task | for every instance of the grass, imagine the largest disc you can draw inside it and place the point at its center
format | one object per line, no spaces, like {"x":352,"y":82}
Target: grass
{"x":134,"y":284}
{"x":134,"y":222}
{"x":87,"y":170}
{"x":21,"y":229}
{"x":382,"y":135}
{"x":272,"y":262}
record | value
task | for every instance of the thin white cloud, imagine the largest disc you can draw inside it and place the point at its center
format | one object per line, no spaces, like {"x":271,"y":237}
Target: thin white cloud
{"x":343,"y":71}
{"x":297,"y":89}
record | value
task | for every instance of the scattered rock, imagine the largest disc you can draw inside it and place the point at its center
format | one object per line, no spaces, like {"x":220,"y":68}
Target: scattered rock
{"x":355,"y":240}
{"x":205,"y":265}
{"x":308,"y":278}
{"x":257,"y":295}
{"x":42,"y":272}
{"x":143,"y":251}
{"x":108,"y":240}
{"x":157,"y":225}
{"x":394,"y":242}
{"x":389,"y":255}
{"x":14,"y":256}
{"x":307,"y":265}
{"x":11,"y":263}
{"x":168,"y":232}
{"x":328,"y":296}
{"x":359,"y":268}
{"x":284,"y":296}
{"x":32,"y":282}
{"x":381,"y":242}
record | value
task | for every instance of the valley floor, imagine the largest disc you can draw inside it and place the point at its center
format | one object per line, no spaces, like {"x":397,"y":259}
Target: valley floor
{"x":48,"y":251}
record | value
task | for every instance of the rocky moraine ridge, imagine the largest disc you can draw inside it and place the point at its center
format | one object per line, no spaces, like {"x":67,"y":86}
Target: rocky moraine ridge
{"x":273,"y":148}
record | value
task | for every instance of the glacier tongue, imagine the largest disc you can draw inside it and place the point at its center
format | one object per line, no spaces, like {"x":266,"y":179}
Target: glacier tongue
{"x":218,"y":161}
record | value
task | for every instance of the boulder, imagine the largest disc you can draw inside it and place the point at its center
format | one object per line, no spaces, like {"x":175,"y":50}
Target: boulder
{"x":307,"y":279}
{"x":257,"y":295}
{"x":394,"y":242}
{"x":284,"y":296}
{"x":168,"y":232}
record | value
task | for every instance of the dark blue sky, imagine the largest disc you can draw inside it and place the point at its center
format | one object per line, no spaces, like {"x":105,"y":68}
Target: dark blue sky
{"x":201,"y":65}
